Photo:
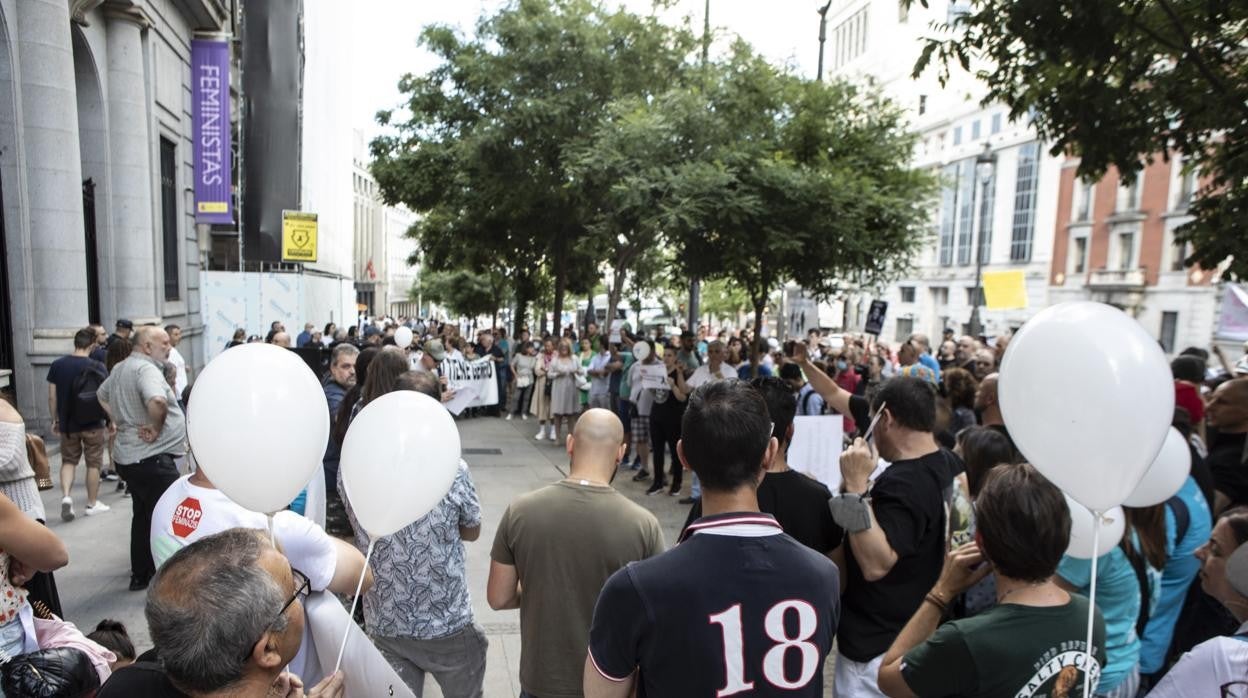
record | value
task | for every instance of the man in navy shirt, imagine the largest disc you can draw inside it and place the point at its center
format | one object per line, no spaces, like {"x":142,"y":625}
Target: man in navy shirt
{"x":738,"y":607}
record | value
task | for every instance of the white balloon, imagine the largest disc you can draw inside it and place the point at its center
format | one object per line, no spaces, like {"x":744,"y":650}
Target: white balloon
{"x":1087,"y":396}
{"x":399,"y":460}
{"x":1167,"y":473}
{"x":258,"y":425}
{"x":641,"y":350}
{"x":1113,"y":524}
{"x":403,"y":336}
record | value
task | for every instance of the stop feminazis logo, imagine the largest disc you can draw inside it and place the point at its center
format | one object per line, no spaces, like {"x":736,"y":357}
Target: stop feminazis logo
{"x":186,"y":517}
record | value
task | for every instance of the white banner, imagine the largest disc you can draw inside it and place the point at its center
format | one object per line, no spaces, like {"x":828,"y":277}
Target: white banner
{"x":1233,"y":316}
{"x":477,"y":375}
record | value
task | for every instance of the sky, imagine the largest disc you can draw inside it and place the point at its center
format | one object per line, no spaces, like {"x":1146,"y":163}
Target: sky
{"x":384,"y":34}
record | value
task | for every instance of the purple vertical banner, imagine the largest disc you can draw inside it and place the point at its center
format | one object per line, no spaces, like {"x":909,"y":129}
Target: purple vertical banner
{"x":210,"y":94}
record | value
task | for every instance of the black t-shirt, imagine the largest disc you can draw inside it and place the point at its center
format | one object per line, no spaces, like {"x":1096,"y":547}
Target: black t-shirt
{"x":909,"y":504}
{"x":1226,"y":462}
{"x":142,"y":678}
{"x":860,"y":411}
{"x":725,"y":611}
{"x":62,"y":373}
{"x":800,"y":505}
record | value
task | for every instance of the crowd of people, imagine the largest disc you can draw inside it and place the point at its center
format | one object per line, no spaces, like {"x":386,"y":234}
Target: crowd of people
{"x":938,"y":565}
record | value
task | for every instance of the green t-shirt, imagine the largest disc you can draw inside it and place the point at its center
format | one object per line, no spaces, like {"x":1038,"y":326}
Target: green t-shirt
{"x":1008,"y":650}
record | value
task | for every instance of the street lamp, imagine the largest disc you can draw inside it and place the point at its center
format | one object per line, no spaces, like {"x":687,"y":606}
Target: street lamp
{"x":823,"y":36}
{"x":985,"y":167}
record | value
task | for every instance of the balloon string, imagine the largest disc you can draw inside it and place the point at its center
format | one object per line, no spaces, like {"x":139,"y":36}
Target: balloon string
{"x":1096,"y":542}
{"x":354,"y":601}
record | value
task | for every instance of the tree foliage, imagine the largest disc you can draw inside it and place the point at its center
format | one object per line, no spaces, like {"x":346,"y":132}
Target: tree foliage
{"x":1117,"y":82}
{"x":464,"y":293}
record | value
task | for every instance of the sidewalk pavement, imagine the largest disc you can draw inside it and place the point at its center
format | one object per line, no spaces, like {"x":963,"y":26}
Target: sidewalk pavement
{"x":505,"y":461}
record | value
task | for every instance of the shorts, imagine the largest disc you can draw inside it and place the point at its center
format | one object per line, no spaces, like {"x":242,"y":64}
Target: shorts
{"x":90,"y":443}
{"x":641,"y":429}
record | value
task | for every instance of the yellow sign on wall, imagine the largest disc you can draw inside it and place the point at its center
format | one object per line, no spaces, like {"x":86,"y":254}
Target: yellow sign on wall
{"x":1005,"y":290}
{"x":298,"y":236}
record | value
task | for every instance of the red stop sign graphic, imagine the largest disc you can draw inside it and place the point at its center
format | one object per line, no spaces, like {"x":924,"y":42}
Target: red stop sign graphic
{"x":186,"y":517}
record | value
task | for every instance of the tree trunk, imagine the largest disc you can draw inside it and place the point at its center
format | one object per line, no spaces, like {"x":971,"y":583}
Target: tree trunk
{"x":523,"y":294}
{"x":561,"y":280}
{"x":755,"y":358}
{"x":613,"y":298}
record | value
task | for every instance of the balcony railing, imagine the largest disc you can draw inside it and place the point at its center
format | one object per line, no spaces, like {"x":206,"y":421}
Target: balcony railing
{"x":1116,"y":279}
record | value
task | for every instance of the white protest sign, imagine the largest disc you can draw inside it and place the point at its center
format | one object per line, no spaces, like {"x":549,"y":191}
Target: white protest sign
{"x":616,"y":326}
{"x":478,"y":374}
{"x":816,"y":448}
{"x":654,"y":376}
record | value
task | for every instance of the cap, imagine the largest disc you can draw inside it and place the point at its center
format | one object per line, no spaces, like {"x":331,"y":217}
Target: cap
{"x":125,"y":324}
{"x":371,"y":330}
{"x":435,"y":349}
{"x":687,"y":335}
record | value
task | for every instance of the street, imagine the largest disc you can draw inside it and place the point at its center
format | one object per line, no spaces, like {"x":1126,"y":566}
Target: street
{"x":505,"y":461}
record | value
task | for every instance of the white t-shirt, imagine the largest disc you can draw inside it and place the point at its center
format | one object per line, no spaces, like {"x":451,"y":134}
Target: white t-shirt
{"x":1211,"y":667}
{"x":704,"y":375}
{"x":175,"y":358}
{"x":186,"y":513}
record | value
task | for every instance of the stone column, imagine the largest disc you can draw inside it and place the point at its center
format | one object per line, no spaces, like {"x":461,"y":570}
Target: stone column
{"x":130,"y":149}
{"x":57,"y":281}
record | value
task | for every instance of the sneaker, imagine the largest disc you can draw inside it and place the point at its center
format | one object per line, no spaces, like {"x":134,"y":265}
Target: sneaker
{"x":138,"y":583}
{"x":97,"y":508}
{"x":688,"y":500}
{"x":524,"y":417}
{"x":110,"y":476}
{"x":554,"y":437}
{"x":635,"y":465}
{"x":67,"y":509}
{"x":541,"y":434}
{"x":121,"y":485}
{"x":656,"y":488}
{"x":641,"y":476}
{"x":508,"y":417}
{"x":673,"y":493}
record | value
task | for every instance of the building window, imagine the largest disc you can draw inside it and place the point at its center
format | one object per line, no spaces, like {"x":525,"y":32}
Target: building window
{"x":907,"y":294}
{"x":905,"y":328}
{"x":851,"y":38}
{"x":922,"y":105}
{"x":966,"y":214}
{"x":1169,"y":327}
{"x":974,"y":295}
{"x":948,"y":213}
{"x":1084,"y":191}
{"x":1129,"y":194}
{"x":1126,"y":251}
{"x":957,"y":135}
{"x":169,"y":215}
{"x":975,"y":130}
{"x":1178,"y":256}
{"x":996,"y":124}
{"x":1187,"y":189}
{"x":1080,"y":257}
{"x":1025,"y":202}
{"x":940,"y":296}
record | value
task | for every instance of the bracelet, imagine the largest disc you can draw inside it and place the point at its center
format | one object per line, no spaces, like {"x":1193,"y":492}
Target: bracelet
{"x":935,"y":601}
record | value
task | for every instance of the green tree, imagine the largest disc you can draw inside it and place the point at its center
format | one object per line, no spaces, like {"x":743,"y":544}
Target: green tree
{"x":797,"y":181}
{"x":464,"y":292}
{"x":1117,"y":82}
{"x":481,"y":149}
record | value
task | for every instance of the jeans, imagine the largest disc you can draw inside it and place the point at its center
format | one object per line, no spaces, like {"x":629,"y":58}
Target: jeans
{"x":456,"y":661}
{"x":146,"y":481}
{"x":523,"y":396}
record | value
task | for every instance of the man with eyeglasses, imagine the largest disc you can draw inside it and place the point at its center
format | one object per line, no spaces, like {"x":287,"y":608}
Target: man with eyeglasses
{"x":235,"y":589}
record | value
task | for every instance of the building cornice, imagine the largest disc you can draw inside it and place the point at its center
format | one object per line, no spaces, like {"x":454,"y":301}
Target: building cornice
{"x":78,"y":10}
{"x":127,"y":11}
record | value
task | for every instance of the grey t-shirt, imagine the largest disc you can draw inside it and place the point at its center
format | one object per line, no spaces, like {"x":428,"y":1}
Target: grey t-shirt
{"x":127,"y":391}
{"x":565,"y":540}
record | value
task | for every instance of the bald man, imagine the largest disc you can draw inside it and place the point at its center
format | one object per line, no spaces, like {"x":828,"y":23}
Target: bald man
{"x":556,"y":547}
{"x":986,"y":402}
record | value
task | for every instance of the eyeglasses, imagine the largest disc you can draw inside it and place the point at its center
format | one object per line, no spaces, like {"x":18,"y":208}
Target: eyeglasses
{"x":303,"y":586}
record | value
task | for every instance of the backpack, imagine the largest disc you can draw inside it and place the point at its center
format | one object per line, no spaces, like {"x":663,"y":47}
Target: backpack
{"x":805,"y":409}
{"x":84,"y":405}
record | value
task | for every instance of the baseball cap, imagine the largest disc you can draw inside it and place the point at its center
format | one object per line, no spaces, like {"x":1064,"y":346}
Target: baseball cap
{"x":125,"y":324}
{"x":435,"y":349}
